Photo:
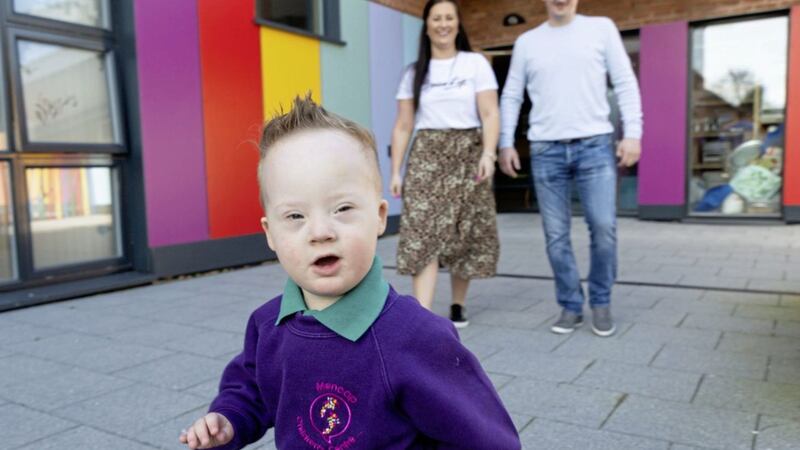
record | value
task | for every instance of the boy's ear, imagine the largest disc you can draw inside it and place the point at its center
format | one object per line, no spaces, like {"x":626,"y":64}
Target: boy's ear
{"x":265,"y":227}
{"x":383,"y":212}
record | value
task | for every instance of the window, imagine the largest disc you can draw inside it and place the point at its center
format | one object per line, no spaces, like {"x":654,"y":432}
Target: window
{"x":738,"y":107}
{"x":91,"y":13}
{"x":8,"y":267}
{"x":61,"y":164}
{"x":66,"y":94}
{"x":319,"y":18}
{"x":73,"y":218}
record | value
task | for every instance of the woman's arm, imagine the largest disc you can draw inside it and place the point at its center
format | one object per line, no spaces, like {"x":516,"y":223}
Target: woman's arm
{"x":403,"y":127}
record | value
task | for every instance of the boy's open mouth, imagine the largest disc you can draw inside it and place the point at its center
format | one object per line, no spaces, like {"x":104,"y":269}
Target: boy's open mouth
{"x":326,"y":261}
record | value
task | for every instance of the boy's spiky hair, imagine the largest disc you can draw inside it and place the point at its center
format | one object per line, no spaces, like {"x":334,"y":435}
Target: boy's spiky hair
{"x":307,"y":115}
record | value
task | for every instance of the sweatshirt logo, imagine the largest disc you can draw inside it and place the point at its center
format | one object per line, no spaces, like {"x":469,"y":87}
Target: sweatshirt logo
{"x":329,"y":415}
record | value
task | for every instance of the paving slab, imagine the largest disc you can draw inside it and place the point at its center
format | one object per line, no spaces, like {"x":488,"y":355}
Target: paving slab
{"x":545,"y":434}
{"x":685,"y":337}
{"x":563,"y":402}
{"x":15,"y":368}
{"x":542,"y":366}
{"x":86,"y":438}
{"x":646,"y":381}
{"x":784,"y":370}
{"x":783,"y":346}
{"x":777,"y":399}
{"x":130,"y":410}
{"x":23,"y":425}
{"x":721,"y":323}
{"x":683,"y":423}
{"x":176,"y":372}
{"x":622,"y":350}
{"x":62,"y":388}
{"x":746,"y":365}
{"x":777,"y":434}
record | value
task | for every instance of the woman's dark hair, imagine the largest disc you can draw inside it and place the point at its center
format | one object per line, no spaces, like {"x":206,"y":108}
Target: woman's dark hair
{"x":424,"y":55}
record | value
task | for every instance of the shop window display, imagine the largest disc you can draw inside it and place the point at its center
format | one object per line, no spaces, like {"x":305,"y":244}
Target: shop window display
{"x":738,"y":101}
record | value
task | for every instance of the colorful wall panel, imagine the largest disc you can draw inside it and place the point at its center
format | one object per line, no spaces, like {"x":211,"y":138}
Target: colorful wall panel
{"x":171,"y":113}
{"x":663,"y":79}
{"x":232,"y":113}
{"x":385,"y":67}
{"x":345,"y":69}
{"x":791,"y":189}
{"x":290,"y":66}
{"x":411,"y":29}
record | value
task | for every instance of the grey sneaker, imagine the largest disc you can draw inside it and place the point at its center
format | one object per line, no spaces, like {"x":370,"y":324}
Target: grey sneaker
{"x":567,"y":323}
{"x":602,"y":323}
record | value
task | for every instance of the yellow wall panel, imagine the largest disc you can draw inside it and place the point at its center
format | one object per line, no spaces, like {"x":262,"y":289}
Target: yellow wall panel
{"x":289,"y":67}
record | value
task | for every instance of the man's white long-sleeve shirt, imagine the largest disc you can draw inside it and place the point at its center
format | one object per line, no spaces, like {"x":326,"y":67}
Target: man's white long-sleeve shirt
{"x":564,"y":70}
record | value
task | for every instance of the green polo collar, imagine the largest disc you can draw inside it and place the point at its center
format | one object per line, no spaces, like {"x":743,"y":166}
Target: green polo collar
{"x":351,"y":315}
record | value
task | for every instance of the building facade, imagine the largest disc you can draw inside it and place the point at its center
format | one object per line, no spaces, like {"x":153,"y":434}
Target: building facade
{"x":128,"y":128}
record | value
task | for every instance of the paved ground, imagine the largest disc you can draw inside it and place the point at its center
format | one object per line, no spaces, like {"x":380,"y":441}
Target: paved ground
{"x":691,"y":368}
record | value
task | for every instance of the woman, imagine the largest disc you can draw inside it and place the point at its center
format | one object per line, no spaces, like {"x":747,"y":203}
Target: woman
{"x":449,"y":97}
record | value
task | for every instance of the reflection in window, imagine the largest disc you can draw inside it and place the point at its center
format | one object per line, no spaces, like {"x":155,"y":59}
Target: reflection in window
{"x":66,"y":94}
{"x":306,"y":15}
{"x":73,"y":215}
{"x":92,"y":13}
{"x":7,"y":254}
{"x":738,"y":112}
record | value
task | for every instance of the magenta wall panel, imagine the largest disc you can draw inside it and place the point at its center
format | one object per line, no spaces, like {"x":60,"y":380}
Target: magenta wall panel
{"x":663,"y":75}
{"x":171,"y":112}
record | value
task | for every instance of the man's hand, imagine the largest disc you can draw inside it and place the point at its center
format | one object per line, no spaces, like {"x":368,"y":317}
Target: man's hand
{"x":509,"y":161}
{"x":629,"y":151}
{"x":211,"y":430}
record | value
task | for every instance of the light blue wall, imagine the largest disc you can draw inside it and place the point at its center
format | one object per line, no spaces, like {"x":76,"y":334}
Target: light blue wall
{"x":411,"y":29}
{"x":345,"y":69}
{"x":385,"y":66}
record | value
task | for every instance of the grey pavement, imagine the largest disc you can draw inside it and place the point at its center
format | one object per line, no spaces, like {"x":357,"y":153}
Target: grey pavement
{"x":707,"y":355}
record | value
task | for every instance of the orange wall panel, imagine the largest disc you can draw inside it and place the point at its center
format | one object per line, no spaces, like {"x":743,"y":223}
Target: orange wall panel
{"x":791,"y":171}
{"x":232,"y":114}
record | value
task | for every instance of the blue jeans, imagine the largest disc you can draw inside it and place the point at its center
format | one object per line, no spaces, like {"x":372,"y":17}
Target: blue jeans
{"x":591,"y":163}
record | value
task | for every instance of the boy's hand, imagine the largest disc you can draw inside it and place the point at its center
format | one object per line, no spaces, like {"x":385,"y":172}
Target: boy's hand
{"x":209,"y":431}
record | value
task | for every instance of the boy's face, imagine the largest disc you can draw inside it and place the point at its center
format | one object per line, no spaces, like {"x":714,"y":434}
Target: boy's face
{"x":324,"y":210}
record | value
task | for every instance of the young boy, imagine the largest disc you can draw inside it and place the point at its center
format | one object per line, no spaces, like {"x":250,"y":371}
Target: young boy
{"x":341,"y":360}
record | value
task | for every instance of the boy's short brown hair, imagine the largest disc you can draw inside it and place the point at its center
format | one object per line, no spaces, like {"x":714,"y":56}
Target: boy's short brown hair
{"x":307,"y":115}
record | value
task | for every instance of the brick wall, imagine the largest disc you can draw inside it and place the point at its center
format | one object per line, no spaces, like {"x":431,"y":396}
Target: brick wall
{"x":484,"y":18}
{"x":484,"y":22}
{"x":413,"y":7}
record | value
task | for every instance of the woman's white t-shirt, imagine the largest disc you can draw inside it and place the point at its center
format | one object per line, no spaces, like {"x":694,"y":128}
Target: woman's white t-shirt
{"x":448,"y":96}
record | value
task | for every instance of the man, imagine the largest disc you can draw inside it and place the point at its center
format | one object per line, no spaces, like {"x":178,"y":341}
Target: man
{"x":564,"y":64}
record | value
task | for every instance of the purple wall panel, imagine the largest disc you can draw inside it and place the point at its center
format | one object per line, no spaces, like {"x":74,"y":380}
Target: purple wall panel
{"x":171,"y":113}
{"x":663,"y":77}
{"x":385,"y":67}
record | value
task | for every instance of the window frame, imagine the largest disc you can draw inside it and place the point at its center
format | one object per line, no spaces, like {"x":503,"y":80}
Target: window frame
{"x":22,"y":140}
{"x":14,"y":250}
{"x":59,"y":25}
{"x":330,"y":18}
{"x":688,"y":212}
{"x":26,"y":270}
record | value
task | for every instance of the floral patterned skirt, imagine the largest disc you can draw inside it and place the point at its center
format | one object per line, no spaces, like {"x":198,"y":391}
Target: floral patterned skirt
{"x":447,"y":215}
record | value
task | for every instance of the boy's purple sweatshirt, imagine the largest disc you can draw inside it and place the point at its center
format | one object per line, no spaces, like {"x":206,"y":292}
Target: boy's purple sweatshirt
{"x":406,"y":383}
